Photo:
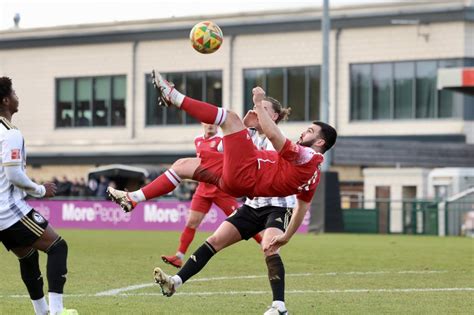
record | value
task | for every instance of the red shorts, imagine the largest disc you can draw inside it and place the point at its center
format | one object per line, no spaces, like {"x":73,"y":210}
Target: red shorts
{"x":224,"y":201}
{"x":233,"y":171}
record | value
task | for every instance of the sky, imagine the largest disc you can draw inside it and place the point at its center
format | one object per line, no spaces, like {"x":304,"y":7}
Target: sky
{"x":44,"y":13}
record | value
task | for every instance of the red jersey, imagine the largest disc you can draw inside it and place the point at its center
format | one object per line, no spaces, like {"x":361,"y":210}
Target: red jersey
{"x":295,"y":169}
{"x":245,"y":171}
{"x":207,"y":144}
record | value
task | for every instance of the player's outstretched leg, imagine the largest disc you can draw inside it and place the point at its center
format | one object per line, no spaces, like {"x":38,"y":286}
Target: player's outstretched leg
{"x":225,"y":235}
{"x":202,"y":111}
{"x":207,"y":113}
{"x":165,"y":282}
{"x":162,"y":185}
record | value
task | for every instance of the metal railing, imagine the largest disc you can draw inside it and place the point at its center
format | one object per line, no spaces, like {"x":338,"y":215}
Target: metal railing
{"x":454,"y":216}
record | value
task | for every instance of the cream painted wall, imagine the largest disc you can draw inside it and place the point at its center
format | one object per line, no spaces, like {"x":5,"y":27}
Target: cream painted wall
{"x":395,"y":179}
{"x":469,"y":39}
{"x":396,"y":43}
{"x":34,"y":72}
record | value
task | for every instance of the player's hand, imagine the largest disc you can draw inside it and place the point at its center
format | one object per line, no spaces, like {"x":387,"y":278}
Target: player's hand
{"x":50,"y":190}
{"x":251,"y":119}
{"x":258,"y":95}
{"x":276,"y":242}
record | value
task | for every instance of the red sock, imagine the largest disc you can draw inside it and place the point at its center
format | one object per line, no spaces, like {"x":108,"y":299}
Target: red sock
{"x":257,"y":238}
{"x":204,"y":112}
{"x":162,"y":185}
{"x":186,"y":238}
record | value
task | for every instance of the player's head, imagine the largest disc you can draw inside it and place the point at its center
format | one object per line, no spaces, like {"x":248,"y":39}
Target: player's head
{"x":8,"y":98}
{"x":209,"y":130}
{"x":274,"y":108}
{"x":282,"y":112}
{"x":318,"y":135}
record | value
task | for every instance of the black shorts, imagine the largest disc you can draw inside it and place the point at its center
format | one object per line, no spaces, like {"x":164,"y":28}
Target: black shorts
{"x":250,"y":221}
{"x":25,"y":232}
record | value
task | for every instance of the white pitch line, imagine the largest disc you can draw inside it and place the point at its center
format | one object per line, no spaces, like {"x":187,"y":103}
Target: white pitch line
{"x":408,"y":290}
{"x":351,"y":273}
{"x":334,"y":291}
{"x":146,"y":285}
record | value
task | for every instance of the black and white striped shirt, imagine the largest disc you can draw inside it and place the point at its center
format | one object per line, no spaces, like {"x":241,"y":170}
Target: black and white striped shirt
{"x":262,"y":143}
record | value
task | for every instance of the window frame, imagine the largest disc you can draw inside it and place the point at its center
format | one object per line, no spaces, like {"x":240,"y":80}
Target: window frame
{"x":436,"y":116}
{"x":93,"y":93}
{"x":284,"y":101}
{"x":182,"y":114}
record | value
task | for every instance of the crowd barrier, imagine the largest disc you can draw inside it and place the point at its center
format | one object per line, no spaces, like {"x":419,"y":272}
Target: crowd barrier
{"x":163,"y":215}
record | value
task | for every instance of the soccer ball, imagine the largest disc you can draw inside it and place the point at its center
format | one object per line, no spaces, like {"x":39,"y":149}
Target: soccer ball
{"x":206,"y":37}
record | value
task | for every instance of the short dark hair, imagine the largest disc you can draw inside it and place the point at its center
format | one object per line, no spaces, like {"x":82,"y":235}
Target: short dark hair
{"x":5,"y":87}
{"x":328,"y":133}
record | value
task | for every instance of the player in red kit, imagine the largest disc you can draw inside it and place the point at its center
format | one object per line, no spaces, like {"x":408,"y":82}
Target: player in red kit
{"x":203,"y":198}
{"x":242,"y":170}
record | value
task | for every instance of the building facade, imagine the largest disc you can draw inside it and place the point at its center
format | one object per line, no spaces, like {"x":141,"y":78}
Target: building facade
{"x":86,"y":98}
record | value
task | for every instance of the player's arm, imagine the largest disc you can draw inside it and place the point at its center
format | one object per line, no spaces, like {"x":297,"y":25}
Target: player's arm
{"x":12,"y":163}
{"x":18,"y":178}
{"x":296,"y":219}
{"x":250,"y":120}
{"x":270,"y":129}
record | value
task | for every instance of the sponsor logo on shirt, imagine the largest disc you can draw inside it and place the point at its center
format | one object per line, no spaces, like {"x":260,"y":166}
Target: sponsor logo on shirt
{"x":15,"y":154}
{"x":294,"y":147}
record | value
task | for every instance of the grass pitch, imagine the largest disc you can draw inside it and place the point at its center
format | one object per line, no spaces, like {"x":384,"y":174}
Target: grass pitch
{"x":110,"y":272}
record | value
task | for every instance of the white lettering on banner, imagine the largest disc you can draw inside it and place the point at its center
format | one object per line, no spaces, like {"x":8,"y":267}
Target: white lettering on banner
{"x":152,"y":213}
{"x":73,"y":213}
{"x":97,"y":212}
{"x":113,"y":215}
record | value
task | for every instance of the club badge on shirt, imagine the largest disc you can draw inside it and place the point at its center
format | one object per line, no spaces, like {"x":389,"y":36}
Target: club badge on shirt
{"x":38,"y":218}
{"x":15,"y":154}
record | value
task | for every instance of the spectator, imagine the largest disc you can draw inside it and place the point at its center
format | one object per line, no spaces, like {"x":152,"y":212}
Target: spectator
{"x":102,"y":187}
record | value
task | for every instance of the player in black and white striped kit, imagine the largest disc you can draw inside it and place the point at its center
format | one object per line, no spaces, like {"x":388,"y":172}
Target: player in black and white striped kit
{"x":266,"y":215}
{"x":23,"y":230}
{"x":262,"y":206}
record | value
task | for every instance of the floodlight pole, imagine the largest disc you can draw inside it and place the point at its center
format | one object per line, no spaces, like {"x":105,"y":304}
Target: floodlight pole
{"x":324,"y":108}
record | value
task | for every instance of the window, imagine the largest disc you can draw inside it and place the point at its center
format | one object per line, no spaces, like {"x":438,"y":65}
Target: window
{"x":295,"y":87}
{"x":381,"y":90}
{"x":203,"y":85}
{"x":403,"y":90}
{"x":360,"y":92}
{"x":425,"y":89}
{"x":404,"y":84}
{"x":90,"y":102}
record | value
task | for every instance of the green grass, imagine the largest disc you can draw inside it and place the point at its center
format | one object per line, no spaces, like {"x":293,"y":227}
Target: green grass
{"x":105,"y":260}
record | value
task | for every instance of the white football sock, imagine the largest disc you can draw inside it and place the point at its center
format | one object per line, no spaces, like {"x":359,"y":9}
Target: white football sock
{"x":280,"y":305}
{"x":137,"y":195}
{"x":177,"y":281}
{"x":55,"y":303}
{"x":176,"y":98}
{"x":170,"y":92}
{"x":40,"y":306}
{"x":180,"y":255}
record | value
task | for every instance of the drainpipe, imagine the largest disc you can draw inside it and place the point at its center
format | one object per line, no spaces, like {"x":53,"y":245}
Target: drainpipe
{"x":231,"y":71}
{"x":336,"y":77}
{"x":134,"y":90}
{"x":324,"y":108}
